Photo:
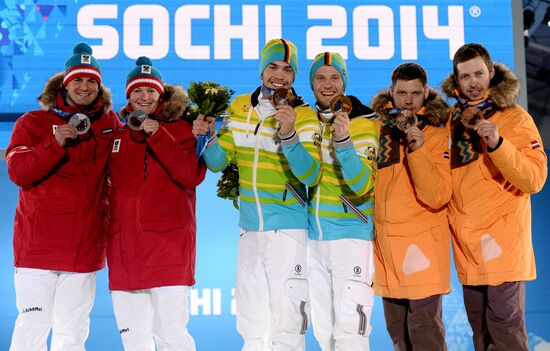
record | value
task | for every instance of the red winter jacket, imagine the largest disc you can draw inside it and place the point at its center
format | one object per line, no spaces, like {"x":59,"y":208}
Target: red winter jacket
{"x":61,"y":216}
{"x":151,"y":240}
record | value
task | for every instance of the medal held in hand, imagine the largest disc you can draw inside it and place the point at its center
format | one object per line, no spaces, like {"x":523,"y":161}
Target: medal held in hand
{"x":282,"y":96}
{"x":212,"y":100}
{"x":471,"y":116}
{"x":406,"y":120}
{"x":340,"y":103}
{"x":81,"y":122}
{"x":135,"y":119}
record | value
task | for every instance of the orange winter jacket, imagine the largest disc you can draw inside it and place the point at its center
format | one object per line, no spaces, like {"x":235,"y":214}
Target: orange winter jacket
{"x":412,"y":240}
{"x":490,"y":211}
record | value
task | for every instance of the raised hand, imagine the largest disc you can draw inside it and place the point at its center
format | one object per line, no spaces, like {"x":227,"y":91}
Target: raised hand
{"x":202,"y":124}
{"x":64,"y":132}
{"x":150,"y":126}
{"x":286,"y":116}
{"x":415,"y":138}
{"x":488,"y":131}
{"x":340,"y":125}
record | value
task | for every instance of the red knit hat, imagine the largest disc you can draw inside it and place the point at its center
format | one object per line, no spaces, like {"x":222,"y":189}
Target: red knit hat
{"x":144,"y":75}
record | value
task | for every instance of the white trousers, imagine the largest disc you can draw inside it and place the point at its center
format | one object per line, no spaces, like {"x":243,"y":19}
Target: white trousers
{"x":271,"y":292}
{"x":156,"y":316}
{"x":340,"y":283}
{"x":52,"y":300}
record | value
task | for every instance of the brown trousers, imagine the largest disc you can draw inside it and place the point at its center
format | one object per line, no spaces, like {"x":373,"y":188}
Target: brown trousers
{"x":497,"y":316}
{"x":415,"y":325}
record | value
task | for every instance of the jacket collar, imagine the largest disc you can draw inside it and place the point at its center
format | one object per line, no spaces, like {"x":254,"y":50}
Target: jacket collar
{"x":54,"y":86}
{"x":173,"y":104}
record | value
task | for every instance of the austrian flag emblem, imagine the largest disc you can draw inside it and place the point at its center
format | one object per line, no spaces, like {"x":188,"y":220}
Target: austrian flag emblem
{"x":86,"y":59}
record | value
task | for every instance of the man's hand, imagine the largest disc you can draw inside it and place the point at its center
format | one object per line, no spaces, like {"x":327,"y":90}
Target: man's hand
{"x":340,"y":125}
{"x":64,"y":132}
{"x":415,"y":138}
{"x":202,"y":124}
{"x":286,"y":116}
{"x":150,"y":126}
{"x":488,"y":131}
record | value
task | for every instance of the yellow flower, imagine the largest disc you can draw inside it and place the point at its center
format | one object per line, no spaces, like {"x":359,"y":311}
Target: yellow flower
{"x":211,"y":91}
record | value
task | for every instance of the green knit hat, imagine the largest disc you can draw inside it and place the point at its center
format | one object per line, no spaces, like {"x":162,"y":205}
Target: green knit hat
{"x":144,"y":75}
{"x":82,"y":64}
{"x":279,"y":50}
{"x":329,"y":59}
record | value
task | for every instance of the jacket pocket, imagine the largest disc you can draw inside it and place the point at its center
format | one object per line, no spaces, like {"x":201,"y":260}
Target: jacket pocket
{"x":416,"y":257}
{"x":498,"y":247}
{"x":164,"y":214}
{"x":54,"y":227}
{"x":167,"y":231}
{"x":161,"y":225}
{"x":167,"y":243}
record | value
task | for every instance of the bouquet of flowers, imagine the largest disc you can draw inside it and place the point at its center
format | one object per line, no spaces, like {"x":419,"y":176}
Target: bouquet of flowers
{"x":228,"y":184}
{"x":209,"y":99}
{"x":191,"y":113}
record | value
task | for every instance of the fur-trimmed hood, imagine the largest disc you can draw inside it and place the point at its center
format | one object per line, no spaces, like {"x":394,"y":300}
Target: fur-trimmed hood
{"x":437,"y":109}
{"x":47,"y":98}
{"x":504,"y":87}
{"x":175,"y":102}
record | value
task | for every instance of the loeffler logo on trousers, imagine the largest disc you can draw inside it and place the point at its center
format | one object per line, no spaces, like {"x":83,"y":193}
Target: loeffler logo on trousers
{"x":32,"y":309}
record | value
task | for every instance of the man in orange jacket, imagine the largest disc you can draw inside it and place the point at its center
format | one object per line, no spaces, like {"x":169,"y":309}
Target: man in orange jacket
{"x":412,"y":189}
{"x":497,"y":161}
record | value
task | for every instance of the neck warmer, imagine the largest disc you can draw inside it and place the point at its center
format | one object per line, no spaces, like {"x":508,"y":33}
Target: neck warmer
{"x":392,"y":137}
{"x":466,"y":143}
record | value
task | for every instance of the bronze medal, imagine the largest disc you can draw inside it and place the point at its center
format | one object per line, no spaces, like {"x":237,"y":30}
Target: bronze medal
{"x":406,"y":120}
{"x":471,"y":116}
{"x":282,"y":96}
{"x":340,"y":103}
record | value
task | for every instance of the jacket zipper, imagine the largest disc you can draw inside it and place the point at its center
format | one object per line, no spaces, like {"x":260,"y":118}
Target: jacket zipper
{"x":145,"y":164}
{"x":317,"y":202}
{"x":318,"y":190}
{"x":255,"y":177}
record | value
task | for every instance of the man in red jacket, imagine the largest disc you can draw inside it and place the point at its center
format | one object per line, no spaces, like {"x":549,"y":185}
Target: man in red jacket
{"x":151,"y":243}
{"x":60,"y":218}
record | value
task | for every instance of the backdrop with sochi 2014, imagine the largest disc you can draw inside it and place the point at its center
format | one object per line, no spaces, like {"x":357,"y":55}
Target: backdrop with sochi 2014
{"x":221,"y":41}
